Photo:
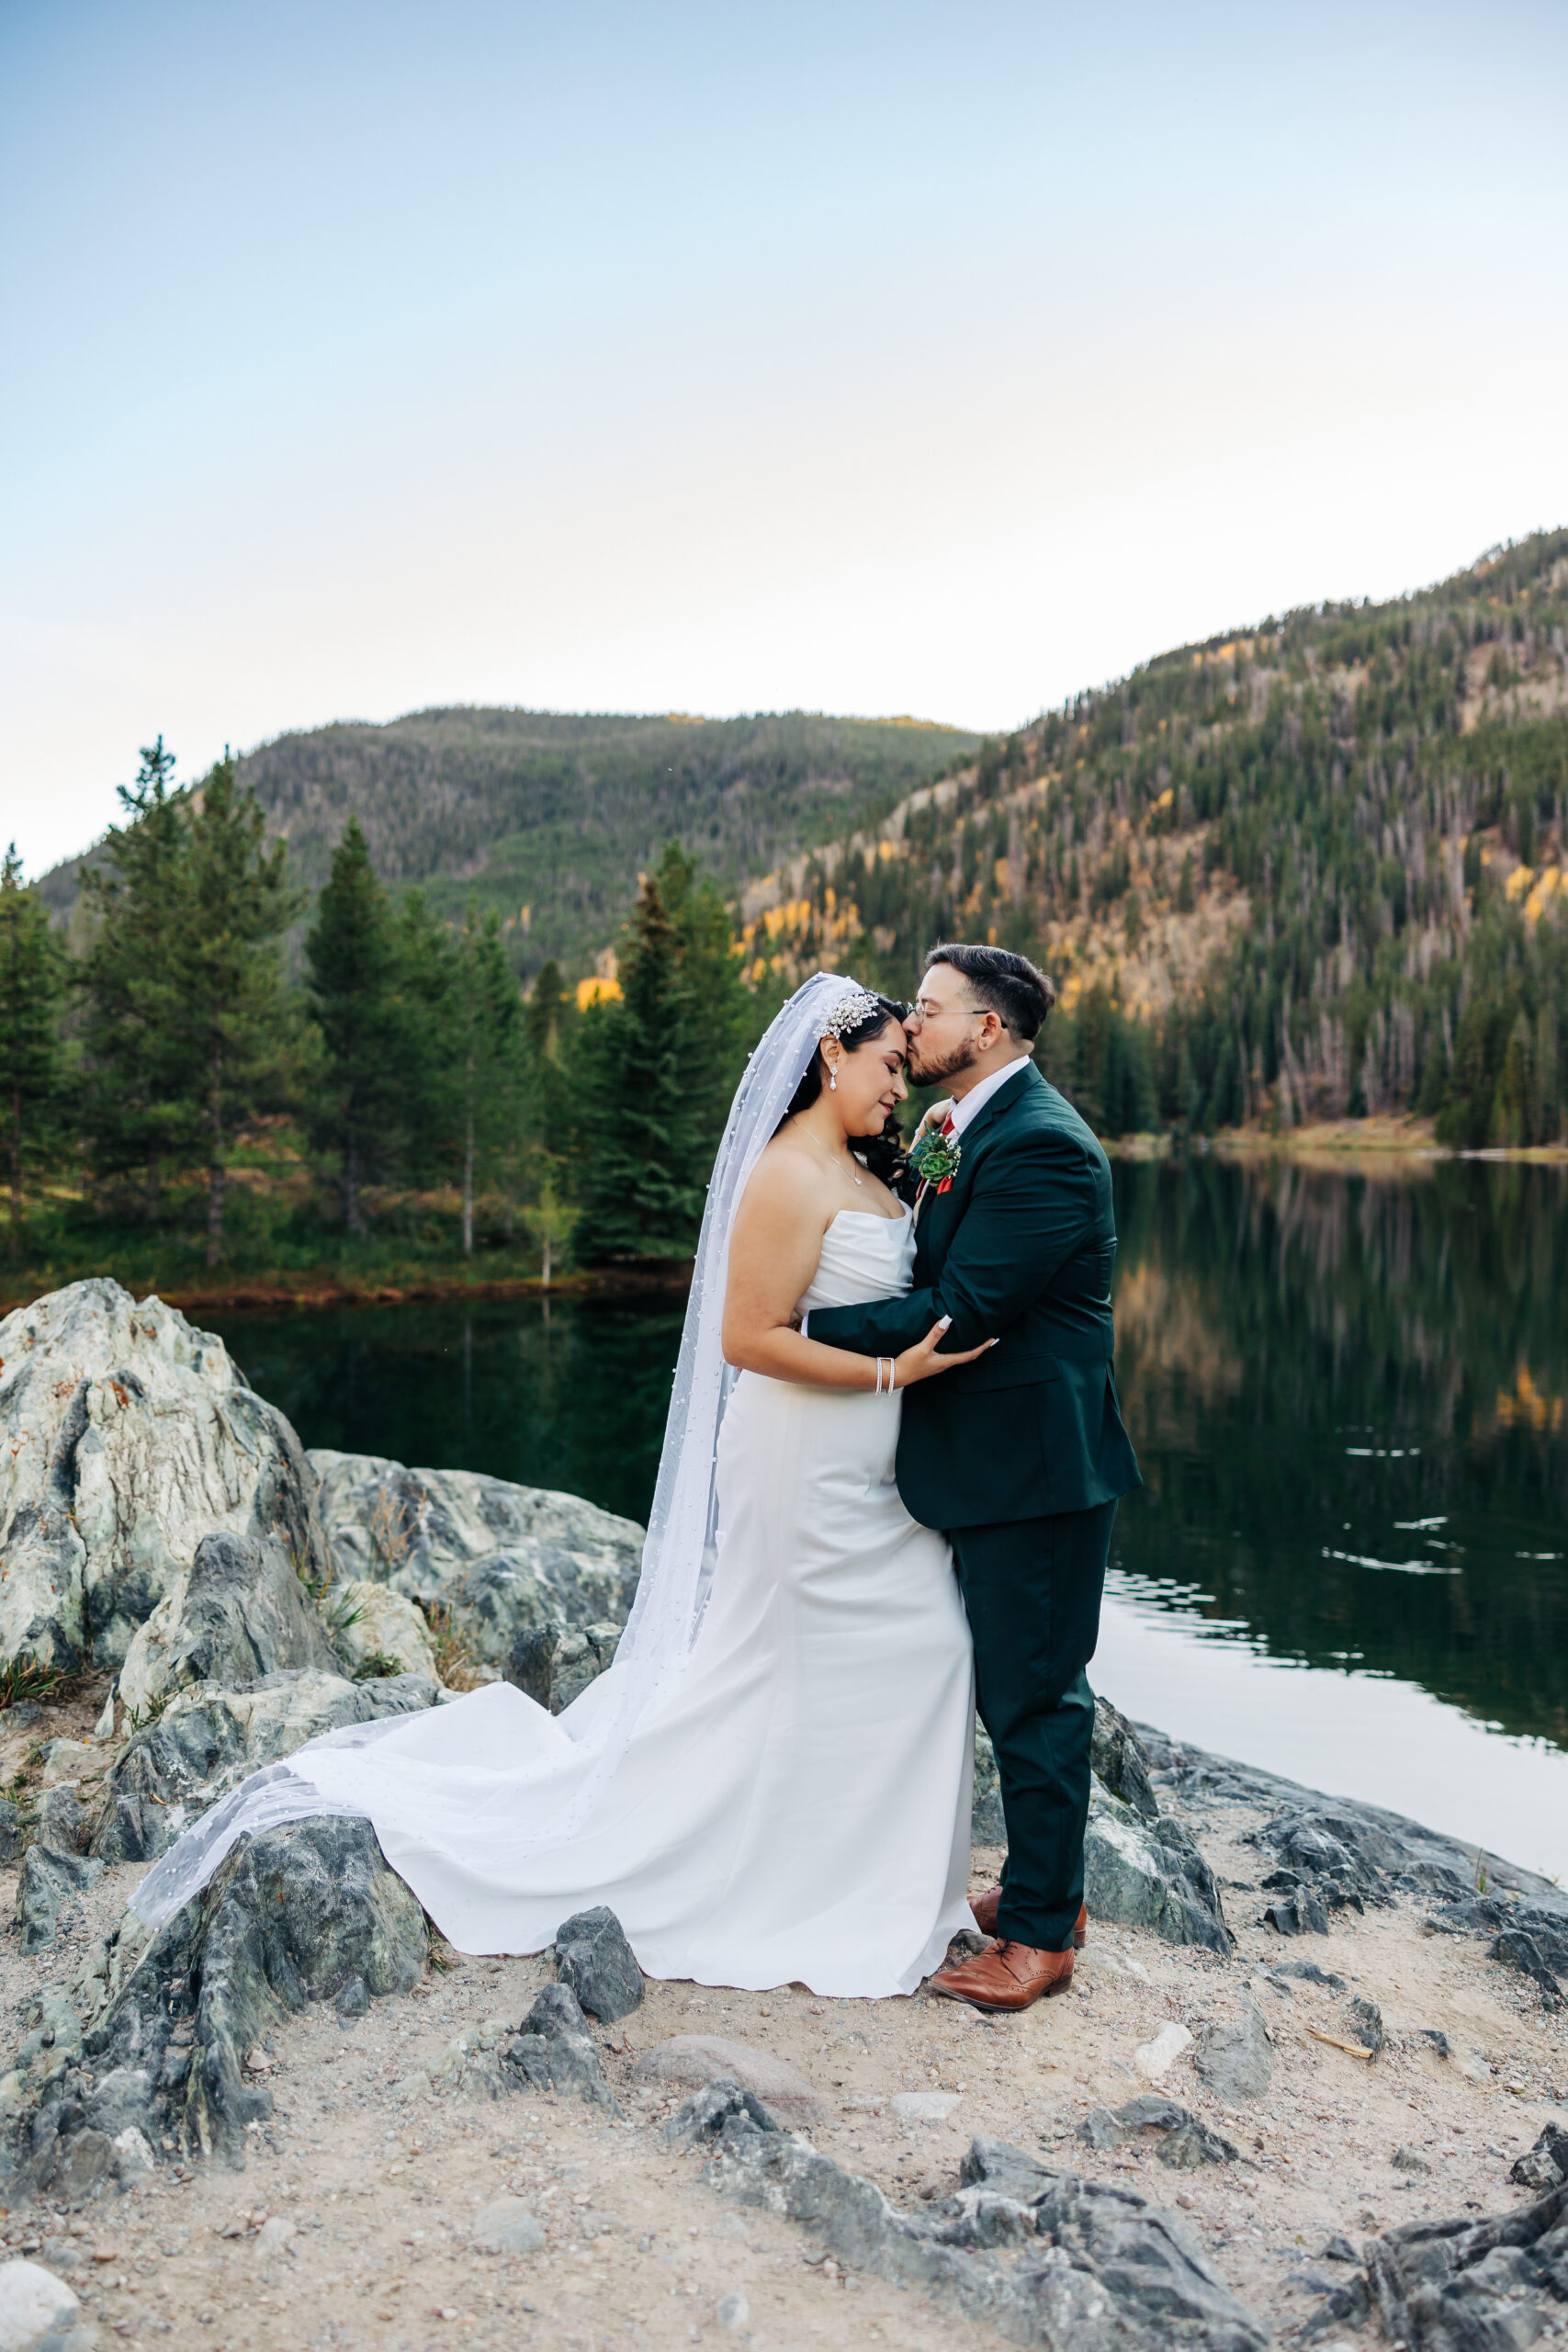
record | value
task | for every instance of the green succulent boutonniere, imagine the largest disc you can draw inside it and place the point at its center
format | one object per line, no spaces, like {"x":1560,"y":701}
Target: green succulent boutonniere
{"x":935,"y":1159}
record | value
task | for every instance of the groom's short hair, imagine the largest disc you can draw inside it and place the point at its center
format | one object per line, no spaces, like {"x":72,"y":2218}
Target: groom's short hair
{"x":1012,"y":987}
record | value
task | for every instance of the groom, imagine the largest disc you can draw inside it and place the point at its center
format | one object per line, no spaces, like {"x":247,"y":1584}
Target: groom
{"x":1018,"y":1457}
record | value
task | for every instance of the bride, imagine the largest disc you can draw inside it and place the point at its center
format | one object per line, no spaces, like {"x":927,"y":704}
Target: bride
{"x":771,"y":1782}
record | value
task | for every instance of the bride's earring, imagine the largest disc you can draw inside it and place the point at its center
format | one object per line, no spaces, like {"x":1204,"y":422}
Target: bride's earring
{"x":832,"y":1082}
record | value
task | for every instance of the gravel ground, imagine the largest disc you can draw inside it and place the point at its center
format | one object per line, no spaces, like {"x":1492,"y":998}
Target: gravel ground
{"x":352,"y":2221}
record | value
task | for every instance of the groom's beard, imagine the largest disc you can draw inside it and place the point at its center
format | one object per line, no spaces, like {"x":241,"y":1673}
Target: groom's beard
{"x":932,"y":1072}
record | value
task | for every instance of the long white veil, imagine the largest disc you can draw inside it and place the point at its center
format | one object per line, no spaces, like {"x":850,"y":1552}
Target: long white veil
{"x":677,"y":1556}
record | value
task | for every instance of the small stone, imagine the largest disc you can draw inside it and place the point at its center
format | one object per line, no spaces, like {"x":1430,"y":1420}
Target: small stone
{"x":1339,"y":2249}
{"x":593,"y":1957}
{"x":1367,"y":2019}
{"x":273,"y":2236}
{"x":353,"y":2001}
{"x":508,"y":2227}
{"x":734,"y":2311}
{"x":10,"y":1833}
{"x":692,"y":2061}
{"x":33,"y":2302}
{"x":1155,"y":2059}
{"x":1405,"y":2159}
{"x":1236,"y":2062}
{"x":1546,"y":2167}
{"x":924,"y":2107}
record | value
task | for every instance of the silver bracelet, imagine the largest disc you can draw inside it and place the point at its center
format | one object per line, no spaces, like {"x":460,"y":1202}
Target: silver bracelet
{"x":892,"y":1374}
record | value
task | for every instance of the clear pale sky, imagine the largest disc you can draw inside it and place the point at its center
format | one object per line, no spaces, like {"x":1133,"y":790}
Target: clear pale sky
{"x":852,"y":357}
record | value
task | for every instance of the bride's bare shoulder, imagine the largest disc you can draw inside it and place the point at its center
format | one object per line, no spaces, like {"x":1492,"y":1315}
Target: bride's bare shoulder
{"x":785,"y":1185}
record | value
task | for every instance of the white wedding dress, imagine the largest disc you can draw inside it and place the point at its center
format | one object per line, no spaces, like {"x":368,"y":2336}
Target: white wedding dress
{"x":796,"y":1808}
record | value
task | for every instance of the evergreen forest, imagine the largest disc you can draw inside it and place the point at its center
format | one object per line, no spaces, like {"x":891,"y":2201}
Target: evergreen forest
{"x":475,"y":989}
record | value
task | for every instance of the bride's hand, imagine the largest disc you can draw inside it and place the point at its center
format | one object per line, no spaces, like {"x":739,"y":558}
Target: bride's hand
{"x":922,"y":1360}
{"x":933,"y":1118}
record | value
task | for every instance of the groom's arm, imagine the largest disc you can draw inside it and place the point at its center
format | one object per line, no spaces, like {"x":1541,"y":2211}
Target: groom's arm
{"x":1031,"y":1207}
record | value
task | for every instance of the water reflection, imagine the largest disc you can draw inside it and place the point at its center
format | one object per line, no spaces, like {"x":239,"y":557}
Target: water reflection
{"x":1348,"y":1396}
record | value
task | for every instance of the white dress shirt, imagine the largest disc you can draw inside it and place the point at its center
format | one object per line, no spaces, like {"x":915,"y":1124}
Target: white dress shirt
{"x":963,"y":1108}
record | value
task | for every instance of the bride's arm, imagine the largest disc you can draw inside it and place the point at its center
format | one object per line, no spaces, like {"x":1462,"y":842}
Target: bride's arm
{"x":773,"y":1248}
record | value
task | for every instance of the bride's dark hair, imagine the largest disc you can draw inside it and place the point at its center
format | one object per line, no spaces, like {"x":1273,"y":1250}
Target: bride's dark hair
{"x":884,"y":1153}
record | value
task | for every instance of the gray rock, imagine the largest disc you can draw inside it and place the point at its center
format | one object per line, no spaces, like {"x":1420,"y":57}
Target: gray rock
{"x":289,"y":1916}
{"x":1463,"y":2285}
{"x":209,"y":1740}
{"x":593,"y":1957}
{"x":62,"y":1823}
{"x":1310,"y":1974}
{"x":733,"y":2309}
{"x":353,"y":2001}
{"x":10,"y":1833}
{"x":691,"y":2061}
{"x":553,"y":2050}
{"x":1516,"y":1948}
{"x":242,"y":1612}
{"x":1142,"y":1873}
{"x":1546,"y":2167}
{"x":1236,"y":2062}
{"x":125,"y":1439}
{"x":1120,"y":1761}
{"x":1181,"y":2140}
{"x":1096,"y":2268}
{"x":698,"y":2120}
{"x":1366,"y":2025}
{"x":1006,"y":2171}
{"x":508,"y":1562}
{"x":1405,"y":2159}
{"x":1304,"y":1913}
{"x":988,"y":1824}
{"x":48,"y":1892}
{"x":508,"y":2227}
{"x":22,"y":1715}
{"x":579,"y":1658}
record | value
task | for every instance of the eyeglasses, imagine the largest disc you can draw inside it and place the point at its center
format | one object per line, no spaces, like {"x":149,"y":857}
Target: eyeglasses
{"x":924,"y":1010}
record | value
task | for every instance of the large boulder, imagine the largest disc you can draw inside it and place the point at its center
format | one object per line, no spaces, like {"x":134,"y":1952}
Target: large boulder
{"x":240,"y":1612}
{"x":207,"y":1739}
{"x":126,"y":1437}
{"x":508,"y":1563}
{"x":1142,"y":1873}
{"x":300,"y":1913}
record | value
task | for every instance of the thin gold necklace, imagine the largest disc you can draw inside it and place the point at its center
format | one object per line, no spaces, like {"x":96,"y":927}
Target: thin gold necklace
{"x":832,"y":1155}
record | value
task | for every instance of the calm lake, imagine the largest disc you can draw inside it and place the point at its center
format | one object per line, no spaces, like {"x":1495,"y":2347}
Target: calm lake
{"x":1349,"y":1397}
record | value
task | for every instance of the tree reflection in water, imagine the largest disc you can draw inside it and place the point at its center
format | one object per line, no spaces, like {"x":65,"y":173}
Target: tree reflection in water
{"x":1347,"y":1394}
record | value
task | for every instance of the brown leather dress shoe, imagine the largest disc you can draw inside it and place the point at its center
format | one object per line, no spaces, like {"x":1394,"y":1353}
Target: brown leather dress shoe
{"x":1007,"y":1976}
{"x":986,"y":1906}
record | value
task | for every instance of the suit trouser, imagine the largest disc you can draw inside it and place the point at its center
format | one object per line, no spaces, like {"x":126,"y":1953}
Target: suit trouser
{"x":1032,"y":1588}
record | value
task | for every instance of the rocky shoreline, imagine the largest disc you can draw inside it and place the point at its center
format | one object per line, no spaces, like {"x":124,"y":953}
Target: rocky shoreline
{"x":1298,"y":2017}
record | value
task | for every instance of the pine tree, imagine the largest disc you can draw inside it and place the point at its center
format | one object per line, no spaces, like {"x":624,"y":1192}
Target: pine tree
{"x":638,"y":1189}
{"x":351,"y":956}
{"x":134,"y":1113}
{"x":427,"y":980}
{"x":487,"y":1012}
{"x":31,"y":990}
{"x":232,"y":1022}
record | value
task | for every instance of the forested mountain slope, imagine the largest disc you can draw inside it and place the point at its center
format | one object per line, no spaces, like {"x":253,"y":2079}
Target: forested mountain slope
{"x":1312,"y":867}
{"x":548,"y":819}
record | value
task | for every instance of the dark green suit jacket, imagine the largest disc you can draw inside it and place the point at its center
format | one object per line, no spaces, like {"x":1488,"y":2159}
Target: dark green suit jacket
{"x":1019,"y":1249}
